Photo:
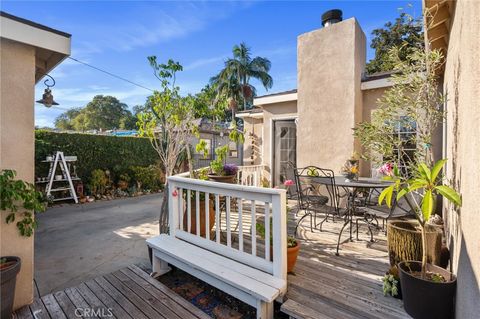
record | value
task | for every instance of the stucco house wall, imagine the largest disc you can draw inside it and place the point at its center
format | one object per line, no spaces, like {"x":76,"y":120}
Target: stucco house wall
{"x":17,"y":76}
{"x":330,"y":63}
{"x":253,"y":146}
{"x":462,"y":149}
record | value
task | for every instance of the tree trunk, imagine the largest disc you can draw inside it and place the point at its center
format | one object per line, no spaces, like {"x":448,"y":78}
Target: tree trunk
{"x":163,"y":218}
{"x":405,"y":242}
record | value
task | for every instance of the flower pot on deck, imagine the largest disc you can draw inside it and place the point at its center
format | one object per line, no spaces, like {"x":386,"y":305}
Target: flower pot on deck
{"x":8,"y":277}
{"x":404,"y":239}
{"x":292,"y":255}
{"x":193,"y":217}
{"x":424,"y":298}
{"x":222,"y":179}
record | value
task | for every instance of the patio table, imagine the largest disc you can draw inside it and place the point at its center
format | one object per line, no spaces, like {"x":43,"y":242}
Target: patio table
{"x":352,"y":188}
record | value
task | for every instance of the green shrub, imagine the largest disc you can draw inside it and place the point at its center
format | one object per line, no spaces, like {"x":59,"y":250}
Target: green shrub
{"x":98,"y":181}
{"x":147,"y":178}
{"x":115,"y":153}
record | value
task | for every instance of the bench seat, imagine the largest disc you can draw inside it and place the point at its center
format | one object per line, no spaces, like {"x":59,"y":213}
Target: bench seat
{"x":252,"y":286}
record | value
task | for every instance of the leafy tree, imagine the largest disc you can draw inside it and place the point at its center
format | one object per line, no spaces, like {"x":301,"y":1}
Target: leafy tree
{"x":105,"y":112}
{"x":64,"y":120}
{"x":168,"y":124}
{"x":405,"y":33}
{"x":233,"y":81}
{"x":207,"y":105}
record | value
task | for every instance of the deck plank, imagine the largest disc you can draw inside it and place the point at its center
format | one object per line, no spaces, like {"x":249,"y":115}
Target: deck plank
{"x":121,"y":299}
{"x":24,"y":313}
{"x":171,"y":294}
{"x":107,"y":300}
{"x":53,"y":307}
{"x":129,"y":293}
{"x":38,"y":309}
{"x":155,"y":303}
{"x":79,"y":302}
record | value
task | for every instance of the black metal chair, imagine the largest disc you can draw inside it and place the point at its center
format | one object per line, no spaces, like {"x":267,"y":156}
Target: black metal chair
{"x":374,"y":212}
{"x":316,"y":193}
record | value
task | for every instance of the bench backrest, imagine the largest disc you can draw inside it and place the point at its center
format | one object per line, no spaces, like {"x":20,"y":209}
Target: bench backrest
{"x":245,"y":221}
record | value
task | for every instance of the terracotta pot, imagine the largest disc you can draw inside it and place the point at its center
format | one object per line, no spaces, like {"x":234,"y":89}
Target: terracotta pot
{"x":193,"y":217}
{"x":405,"y":242}
{"x":292,"y":254}
{"x":222,"y":179}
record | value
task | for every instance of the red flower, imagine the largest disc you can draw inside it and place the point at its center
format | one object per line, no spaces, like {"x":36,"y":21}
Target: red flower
{"x":175,"y":193}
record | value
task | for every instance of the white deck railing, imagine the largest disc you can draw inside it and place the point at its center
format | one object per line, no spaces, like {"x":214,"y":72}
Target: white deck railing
{"x":250,"y":175}
{"x":239,"y":208}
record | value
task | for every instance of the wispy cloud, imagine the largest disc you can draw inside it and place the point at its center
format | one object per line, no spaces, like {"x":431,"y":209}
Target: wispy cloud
{"x":205,"y":62}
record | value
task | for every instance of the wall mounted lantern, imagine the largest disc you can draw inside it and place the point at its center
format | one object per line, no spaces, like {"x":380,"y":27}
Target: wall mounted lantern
{"x":47,"y":98}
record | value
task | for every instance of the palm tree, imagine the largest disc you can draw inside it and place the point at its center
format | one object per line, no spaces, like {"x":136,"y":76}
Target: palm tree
{"x":233,"y":80}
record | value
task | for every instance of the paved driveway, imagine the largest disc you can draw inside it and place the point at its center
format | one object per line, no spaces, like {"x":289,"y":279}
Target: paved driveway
{"x":74,"y":243}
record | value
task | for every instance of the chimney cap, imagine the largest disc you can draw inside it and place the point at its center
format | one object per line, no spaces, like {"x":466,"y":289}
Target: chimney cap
{"x":332,"y":16}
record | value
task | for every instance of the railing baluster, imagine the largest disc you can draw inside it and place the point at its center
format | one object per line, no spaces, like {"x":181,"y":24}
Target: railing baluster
{"x":267,"y":231}
{"x":189,"y":211}
{"x":240,"y":224}
{"x":181,"y":210}
{"x":254,"y":229}
{"x":197,"y":213}
{"x":207,"y":216}
{"x":217,"y":218}
{"x":229,"y":231}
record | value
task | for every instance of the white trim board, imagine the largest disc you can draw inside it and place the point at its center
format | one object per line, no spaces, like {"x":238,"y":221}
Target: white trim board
{"x":376,"y":84}
{"x":24,"y":33}
{"x":275,"y":99}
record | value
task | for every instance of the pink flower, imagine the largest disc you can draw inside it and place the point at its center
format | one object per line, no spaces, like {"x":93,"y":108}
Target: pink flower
{"x":175,"y":193}
{"x":288,"y":182}
{"x":386,"y":169}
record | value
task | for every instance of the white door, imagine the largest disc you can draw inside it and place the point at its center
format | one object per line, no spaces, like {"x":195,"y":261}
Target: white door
{"x":285,"y":150}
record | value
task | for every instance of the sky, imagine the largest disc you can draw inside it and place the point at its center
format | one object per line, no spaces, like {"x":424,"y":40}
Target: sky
{"x":117,"y":36}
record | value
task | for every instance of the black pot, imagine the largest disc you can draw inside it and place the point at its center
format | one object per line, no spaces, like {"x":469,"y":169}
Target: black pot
{"x":426,"y":299}
{"x":8,"y":280}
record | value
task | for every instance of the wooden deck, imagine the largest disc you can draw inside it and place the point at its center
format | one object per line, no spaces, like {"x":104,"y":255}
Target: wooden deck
{"x":347,"y":286}
{"x":127,"y":293}
{"x":323,"y":285}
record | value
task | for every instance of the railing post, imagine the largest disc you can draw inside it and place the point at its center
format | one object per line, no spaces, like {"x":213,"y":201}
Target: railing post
{"x":279,"y":213}
{"x":173,"y":209}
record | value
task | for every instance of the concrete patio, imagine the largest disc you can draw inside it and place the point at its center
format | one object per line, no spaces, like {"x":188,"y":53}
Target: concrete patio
{"x":76,"y":243}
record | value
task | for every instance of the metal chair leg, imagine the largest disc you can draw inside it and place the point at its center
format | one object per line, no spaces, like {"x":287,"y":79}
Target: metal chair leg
{"x":298,"y":223}
{"x":347,"y":220}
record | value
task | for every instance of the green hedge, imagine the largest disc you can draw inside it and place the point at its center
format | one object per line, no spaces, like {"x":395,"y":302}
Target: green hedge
{"x":115,"y":153}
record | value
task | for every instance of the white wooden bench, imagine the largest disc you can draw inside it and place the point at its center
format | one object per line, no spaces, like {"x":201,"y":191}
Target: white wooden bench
{"x":255,"y":280}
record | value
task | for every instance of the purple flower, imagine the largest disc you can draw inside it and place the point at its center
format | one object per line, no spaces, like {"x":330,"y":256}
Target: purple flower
{"x":230,"y":169}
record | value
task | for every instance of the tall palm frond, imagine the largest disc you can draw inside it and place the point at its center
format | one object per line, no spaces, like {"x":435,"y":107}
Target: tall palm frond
{"x":234,"y":78}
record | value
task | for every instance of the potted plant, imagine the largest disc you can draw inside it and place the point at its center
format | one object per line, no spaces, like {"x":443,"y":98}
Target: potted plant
{"x":9,"y":268}
{"x":17,"y":199}
{"x":428,"y":290}
{"x":391,"y":283}
{"x":201,"y":174}
{"x":293,"y":246}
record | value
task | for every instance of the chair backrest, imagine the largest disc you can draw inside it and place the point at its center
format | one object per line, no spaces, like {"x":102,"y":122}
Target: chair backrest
{"x":313,"y":180}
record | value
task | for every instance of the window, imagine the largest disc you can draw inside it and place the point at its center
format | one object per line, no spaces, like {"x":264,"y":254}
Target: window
{"x":406,"y":132}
